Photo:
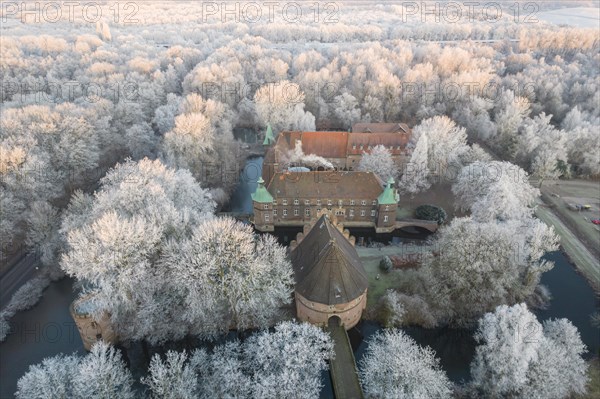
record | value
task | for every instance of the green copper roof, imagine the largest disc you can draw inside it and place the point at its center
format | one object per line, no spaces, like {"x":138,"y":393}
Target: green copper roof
{"x":388,"y":196}
{"x":261,"y":194}
{"x":269,"y":138}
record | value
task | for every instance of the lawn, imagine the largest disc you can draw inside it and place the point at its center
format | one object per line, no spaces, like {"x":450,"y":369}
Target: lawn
{"x":371,"y":257}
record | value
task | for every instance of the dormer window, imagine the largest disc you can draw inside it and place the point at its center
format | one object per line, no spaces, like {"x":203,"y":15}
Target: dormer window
{"x":266,"y":206}
{"x":284,"y":202}
{"x":306,"y":202}
{"x":354,"y":146}
{"x":296,"y":202}
{"x":363,"y":202}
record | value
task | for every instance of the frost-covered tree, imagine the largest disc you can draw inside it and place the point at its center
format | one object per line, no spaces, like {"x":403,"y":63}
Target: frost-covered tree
{"x":100,"y":374}
{"x":479,"y":266}
{"x":519,"y":357}
{"x":201,"y":140}
{"x":103,"y":374}
{"x":542,"y":148}
{"x":173,"y":378}
{"x":510,"y":112}
{"x":245,"y":280}
{"x":114,"y":244}
{"x":494,"y":191}
{"x":282,"y":105}
{"x":394,"y":366}
{"x":446,"y":146}
{"x":288,"y":362}
{"x":415,"y":175}
{"x":346,"y":110}
{"x":379,"y":161}
{"x":285,"y":363}
{"x":53,"y":378}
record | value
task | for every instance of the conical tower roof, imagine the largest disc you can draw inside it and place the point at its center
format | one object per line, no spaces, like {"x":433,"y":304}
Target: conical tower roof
{"x":269,"y":138}
{"x":327,"y":268}
{"x":262,"y":194}
{"x":388,"y":196}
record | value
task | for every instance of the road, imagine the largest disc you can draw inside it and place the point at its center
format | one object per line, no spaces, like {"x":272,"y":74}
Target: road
{"x":585,"y":261}
{"x":18,"y":274}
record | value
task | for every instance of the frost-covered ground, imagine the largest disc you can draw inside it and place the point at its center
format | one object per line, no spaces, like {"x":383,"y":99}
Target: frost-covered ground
{"x":582,"y":17}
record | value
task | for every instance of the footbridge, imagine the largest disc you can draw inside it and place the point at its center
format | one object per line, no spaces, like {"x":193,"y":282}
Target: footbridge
{"x":242,"y":217}
{"x":344,"y":376}
{"x":430,"y":225}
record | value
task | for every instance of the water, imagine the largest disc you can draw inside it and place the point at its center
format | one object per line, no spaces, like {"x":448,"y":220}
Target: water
{"x":572,"y":298}
{"x":47,"y":329}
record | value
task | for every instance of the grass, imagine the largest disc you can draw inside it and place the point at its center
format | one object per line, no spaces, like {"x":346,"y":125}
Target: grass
{"x":395,"y":278}
{"x":594,"y":380}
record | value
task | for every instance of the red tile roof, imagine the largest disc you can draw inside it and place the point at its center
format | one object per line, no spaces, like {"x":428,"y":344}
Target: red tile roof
{"x":327,"y":184}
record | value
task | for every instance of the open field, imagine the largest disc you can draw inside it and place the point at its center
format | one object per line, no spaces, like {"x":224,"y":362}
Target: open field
{"x":581,"y":17}
{"x":559,"y":193}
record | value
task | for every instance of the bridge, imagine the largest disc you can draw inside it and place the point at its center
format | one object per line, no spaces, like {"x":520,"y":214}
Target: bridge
{"x":429,"y":225}
{"x":344,"y":376}
{"x":242,"y":217}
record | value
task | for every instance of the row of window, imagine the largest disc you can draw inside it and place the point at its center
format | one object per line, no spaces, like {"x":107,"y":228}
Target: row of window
{"x":390,"y":147}
{"x":307,"y":213}
{"x":318,"y":202}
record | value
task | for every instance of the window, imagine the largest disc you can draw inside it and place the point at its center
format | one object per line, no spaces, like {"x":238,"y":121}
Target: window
{"x":306,"y":202}
{"x":318,"y":210}
{"x":319,"y":202}
{"x":274,"y":212}
{"x":266,"y":217}
{"x":374,"y":202}
{"x":354,"y":146}
{"x":296,"y":202}
{"x":385,"y":218}
{"x":329,"y":202}
{"x":285,"y":212}
{"x":266,"y":206}
{"x":339,"y":212}
{"x":351,"y":202}
{"x":362,"y":213}
{"x":307,"y":212}
{"x":284,"y":202}
{"x":296,"y":212}
{"x":274,"y":202}
{"x":361,"y":146}
{"x":373,"y":212}
{"x":387,"y":207}
{"x":340,"y":202}
{"x":351,"y":213}
{"x":363,"y":202}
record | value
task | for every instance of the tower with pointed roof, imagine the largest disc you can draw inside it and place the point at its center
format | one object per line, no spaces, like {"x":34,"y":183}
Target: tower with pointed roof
{"x":330,"y":278}
{"x":387,"y":204}
{"x":262,"y":202}
{"x":269,"y":137}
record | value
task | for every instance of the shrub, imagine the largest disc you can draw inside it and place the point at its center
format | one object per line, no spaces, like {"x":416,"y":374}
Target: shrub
{"x":431,"y":212}
{"x":386,"y":264}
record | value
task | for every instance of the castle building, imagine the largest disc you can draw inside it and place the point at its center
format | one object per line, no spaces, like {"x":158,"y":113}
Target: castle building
{"x":343,"y":149}
{"x":357,"y":199}
{"x":330,"y":278}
